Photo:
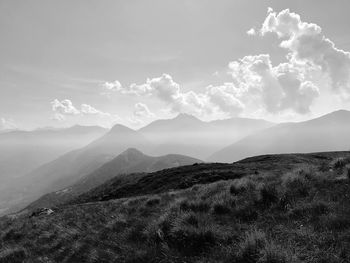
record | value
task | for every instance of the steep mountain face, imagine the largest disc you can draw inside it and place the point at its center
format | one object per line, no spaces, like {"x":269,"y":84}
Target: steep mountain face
{"x":188,"y":135}
{"x":72,"y":166}
{"x":130,"y":161}
{"x":23,"y":151}
{"x":327,"y":133}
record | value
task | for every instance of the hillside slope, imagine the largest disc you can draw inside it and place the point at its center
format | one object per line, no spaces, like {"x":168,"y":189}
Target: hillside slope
{"x":72,"y":166}
{"x":23,"y":151}
{"x":187,"y":176}
{"x":130,"y":161}
{"x":298,"y":212}
{"x":327,"y":133}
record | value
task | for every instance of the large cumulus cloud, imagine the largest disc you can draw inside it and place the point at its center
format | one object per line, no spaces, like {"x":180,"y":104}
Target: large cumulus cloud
{"x":306,"y":43}
{"x":275,"y":88}
{"x":218,"y":99}
{"x":291,"y":86}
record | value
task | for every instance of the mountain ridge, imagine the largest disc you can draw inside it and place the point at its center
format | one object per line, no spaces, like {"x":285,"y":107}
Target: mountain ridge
{"x":129,"y":161}
{"x":328,"y":132}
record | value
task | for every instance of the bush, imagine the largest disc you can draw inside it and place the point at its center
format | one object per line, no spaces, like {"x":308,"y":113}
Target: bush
{"x":16,"y":254}
{"x":195,"y":206}
{"x":273,"y":254}
{"x":297,"y":184}
{"x":251,"y":246}
{"x":223,"y":203}
{"x":334,"y":222}
{"x":192,"y":240}
{"x":12,"y":235}
{"x":242,"y":185}
{"x":269,"y":195}
{"x":153,"y":201}
{"x":221,"y":208}
{"x":309,"y":210}
{"x":340,"y":163}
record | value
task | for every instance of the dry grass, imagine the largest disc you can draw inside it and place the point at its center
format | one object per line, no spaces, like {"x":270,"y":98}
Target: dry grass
{"x":301,"y":216}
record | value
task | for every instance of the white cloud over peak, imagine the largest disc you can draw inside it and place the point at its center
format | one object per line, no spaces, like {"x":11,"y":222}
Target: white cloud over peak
{"x":216,"y":99}
{"x":276,"y":89}
{"x":226,"y":99}
{"x":306,"y":43}
{"x":64,"y":107}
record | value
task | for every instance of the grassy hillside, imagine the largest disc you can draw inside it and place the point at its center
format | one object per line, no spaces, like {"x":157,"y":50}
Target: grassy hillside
{"x":130,"y":161}
{"x":297,"y":212}
{"x":187,"y":176}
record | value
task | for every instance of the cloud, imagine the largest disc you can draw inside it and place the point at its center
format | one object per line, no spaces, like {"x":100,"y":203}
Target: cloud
{"x":134,"y":89}
{"x":225,"y":98}
{"x":58,"y":117}
{"x":113,"y":86}
{"x":251,"y":32}
{"x":313,"y":65}
{"x":135,"y":121}
{"x":306,"y":43}
{"x":141,"y":110}
{"x":219,"y":100}
{"x":7,"y":124}
{"x":276,"y":89}
{"x":64,"y":107}
{"x":89,"y":110}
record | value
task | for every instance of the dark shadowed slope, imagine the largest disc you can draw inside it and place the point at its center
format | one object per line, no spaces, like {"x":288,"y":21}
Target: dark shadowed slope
{"x":185,"y":134}
{"x":130,"y":161}
{"x":330,"y":132}
{"x":72,"y":166}
{"x":187,"y":176}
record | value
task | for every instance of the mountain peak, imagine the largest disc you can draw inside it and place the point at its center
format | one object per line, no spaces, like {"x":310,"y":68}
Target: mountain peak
{"x":340,"y":112}
{"x":81,"y":128}
{"x":132,"y":151}
{"x":185,"y":116}
{"x":120,"y":128}
{"x":333,"y":116}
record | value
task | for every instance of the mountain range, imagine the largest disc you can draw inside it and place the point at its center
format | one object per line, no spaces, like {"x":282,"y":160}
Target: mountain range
{"x":22,"y":151}
{"x":222,"y":140}
{"x":327,"y":133}
{"x":185,"y":134}
{"x":130,"y":161}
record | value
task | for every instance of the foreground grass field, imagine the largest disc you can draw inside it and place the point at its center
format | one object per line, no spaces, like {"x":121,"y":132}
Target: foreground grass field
{"x":300,"y":215}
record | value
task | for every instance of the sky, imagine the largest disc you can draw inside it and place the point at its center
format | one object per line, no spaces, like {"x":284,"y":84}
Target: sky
{"x":103,"y":62}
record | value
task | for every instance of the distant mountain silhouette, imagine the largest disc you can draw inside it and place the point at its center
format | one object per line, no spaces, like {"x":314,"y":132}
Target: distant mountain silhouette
{"x":22,"y":151}
{"x":185,"y":134}
{"x":130,"y":161}
{"x":70,"y":167}
{"x":330,"y":132}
